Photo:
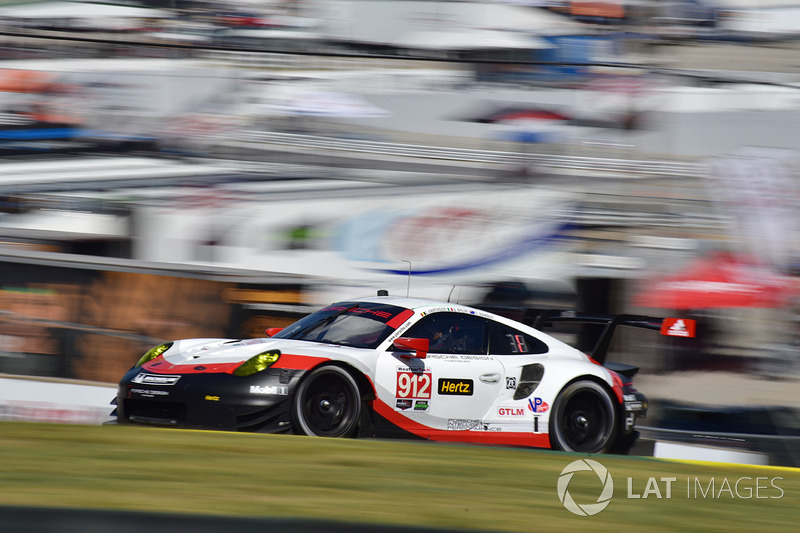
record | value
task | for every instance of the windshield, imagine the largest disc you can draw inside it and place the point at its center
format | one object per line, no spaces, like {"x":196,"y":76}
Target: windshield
{"x":359,"y":324}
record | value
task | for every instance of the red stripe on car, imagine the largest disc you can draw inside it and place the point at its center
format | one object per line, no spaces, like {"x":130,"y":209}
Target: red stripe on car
{"x":298,"y":362}
{"x":508,"y":438}
{"x":400,"y":318}
{"x":162,"y":366}
{"x":618,"y":385}
{"x":286,"y":360}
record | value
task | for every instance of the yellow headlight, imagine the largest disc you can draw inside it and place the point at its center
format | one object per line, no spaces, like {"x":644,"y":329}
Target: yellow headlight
{"x":152,"y":353}
{"x":257,"y":363}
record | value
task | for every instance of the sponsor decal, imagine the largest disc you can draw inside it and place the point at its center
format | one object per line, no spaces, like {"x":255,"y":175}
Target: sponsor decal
{"x":414,"y":385}
{"x":455,"y":387}
{"x":269,"y":389}
{"x":421,"y":405}
{"x":631,"y":403}
{"x":151,"y":379}
{"x":417,"y":369}
{"x":149,"y":393}
{"x":678,"y":327}
{"x":380,"y":314}
{"x":634,"y":406}
{"x":404,"y":404}
{"x":537,"y":405}
{"x":471,"y":358}
{"x":401,"y":329}
{"x":510,"y":411}
{"x":462,"y":424}
{"x":445,"y":357}
{"x":469,"y":424}
{"x":449,"y":358}
{"x":475,"y":312}
{"x":511,"y":383}
{"x":211,"y":398}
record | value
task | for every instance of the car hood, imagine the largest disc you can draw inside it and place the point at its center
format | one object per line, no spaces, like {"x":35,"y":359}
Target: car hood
{"x":213,"y":351}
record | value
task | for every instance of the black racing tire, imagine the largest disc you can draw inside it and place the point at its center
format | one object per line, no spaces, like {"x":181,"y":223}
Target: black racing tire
{"x":584,"y":418}
{"x":328,"y":403}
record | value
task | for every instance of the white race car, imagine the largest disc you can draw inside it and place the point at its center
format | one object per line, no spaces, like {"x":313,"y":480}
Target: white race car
{"x":392,"y":367}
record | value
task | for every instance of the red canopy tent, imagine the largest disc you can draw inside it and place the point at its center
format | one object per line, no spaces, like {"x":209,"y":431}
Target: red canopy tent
{"x":721,"y":280}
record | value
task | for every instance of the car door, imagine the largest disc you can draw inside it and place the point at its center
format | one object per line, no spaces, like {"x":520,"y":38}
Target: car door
{"x":518,"y":353}
{"x":455,"y":385}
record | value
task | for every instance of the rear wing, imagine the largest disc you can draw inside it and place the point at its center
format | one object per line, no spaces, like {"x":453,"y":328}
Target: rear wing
{"x":671,"y":327}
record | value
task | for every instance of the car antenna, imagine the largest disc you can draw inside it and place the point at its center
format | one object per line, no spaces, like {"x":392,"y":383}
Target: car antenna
{"x":408,"y":283}
{"x":451,"y":293}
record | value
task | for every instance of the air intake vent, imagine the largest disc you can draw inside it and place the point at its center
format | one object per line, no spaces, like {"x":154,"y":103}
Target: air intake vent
{"x":528,"y":381}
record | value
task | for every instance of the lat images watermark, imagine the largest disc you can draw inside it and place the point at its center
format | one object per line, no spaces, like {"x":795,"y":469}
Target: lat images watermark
{"x":662,"y":487}
{"x":603,"y":499}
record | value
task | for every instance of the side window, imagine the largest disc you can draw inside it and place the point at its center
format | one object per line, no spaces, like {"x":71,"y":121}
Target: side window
{"x":504,"y":340}
{"x":454,"y":333}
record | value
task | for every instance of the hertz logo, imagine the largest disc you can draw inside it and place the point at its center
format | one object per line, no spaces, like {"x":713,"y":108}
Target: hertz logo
{"x":457,"y":387}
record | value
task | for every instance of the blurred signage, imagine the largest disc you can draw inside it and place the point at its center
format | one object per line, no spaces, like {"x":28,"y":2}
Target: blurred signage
{"x":757,"y":188}
{"x":597,"y":8}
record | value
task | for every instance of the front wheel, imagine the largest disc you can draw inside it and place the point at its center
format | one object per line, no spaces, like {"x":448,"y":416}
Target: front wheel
{"x":327,"y":403}
{"x":584,"y":419}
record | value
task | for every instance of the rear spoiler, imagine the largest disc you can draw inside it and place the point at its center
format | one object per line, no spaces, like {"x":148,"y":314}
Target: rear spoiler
{"x":671,"y":327}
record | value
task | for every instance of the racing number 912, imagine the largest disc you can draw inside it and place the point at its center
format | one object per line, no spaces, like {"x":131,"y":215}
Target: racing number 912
{"x":416,"y":385}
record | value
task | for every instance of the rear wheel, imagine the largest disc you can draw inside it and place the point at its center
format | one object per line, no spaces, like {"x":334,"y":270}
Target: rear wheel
{"x":327,"y":403}
{"x":584,"y":419}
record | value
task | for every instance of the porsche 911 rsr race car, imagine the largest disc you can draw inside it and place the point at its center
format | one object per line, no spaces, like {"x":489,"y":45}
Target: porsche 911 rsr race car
{"x":398,"y":367}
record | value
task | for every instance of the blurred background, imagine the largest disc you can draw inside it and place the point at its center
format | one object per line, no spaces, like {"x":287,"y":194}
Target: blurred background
{"x":179,"y":168}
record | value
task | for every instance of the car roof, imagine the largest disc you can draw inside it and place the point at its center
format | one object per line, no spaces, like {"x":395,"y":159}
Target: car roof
{"x":422,"y":305}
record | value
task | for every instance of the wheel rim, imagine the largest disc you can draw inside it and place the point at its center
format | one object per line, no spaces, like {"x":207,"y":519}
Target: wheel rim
{"x":329,"y":406}
{"x":586,"y":422}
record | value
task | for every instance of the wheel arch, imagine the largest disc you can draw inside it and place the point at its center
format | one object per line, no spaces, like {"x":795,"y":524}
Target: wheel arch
{"x":365,"y":386}
{"x":596,"y":379}
{"x":344,"y":428}
{"x":620,"y":407}
{"x":558,"y":375}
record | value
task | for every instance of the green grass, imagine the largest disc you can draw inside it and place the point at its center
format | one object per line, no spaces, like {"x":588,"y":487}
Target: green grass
{"x":382,"y":482}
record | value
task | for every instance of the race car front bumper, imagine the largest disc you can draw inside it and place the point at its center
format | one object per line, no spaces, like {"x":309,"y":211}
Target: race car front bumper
{"x":218,"y":401}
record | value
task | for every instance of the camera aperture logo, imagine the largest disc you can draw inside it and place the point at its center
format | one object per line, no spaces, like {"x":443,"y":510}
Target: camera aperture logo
{"x":587,"y":509}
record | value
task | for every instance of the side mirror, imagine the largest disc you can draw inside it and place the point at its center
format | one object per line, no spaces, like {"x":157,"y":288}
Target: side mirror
{"x":271,"y":332}
{"x":420,"y":347}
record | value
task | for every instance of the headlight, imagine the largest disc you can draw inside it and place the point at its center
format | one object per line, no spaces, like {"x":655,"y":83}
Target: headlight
{"x":257,"y":363}
{"x":152,"y":353}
